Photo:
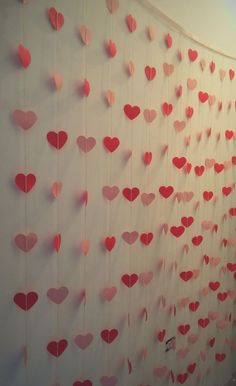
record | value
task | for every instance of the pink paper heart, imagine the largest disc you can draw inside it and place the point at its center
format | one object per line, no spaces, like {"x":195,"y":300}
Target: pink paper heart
{"x":191,"y":83}
{"x":26,"y":242}
{"x":24,"y":119}
{"x":110,"y":192}
{"x":213,"y":315}
{"x":145,"y":277}
{"x":227,"y":164}
{"x":86,"y":144}
{"x":179,"y":125}
{"x":110,"y":97}
{"x":187,"y":196}
{"x":168,"y":69}
{"x":205,"y":291}
{"x":196,"y":273}
{"x":209,"y":163}
{"x":58,"y":295}
{"x":203,"y":64}
{"x":211,"y":99}
{"x":130,"y":237}
{"x":130,"y":68}
{"x":183,"y":352}
{"x":57,"y":81}
{"x":149,"y":115}
{"x":83,"y":341}
{"x":161,"y":371}
{"x":221,"y":324}
{"x":85,"y":34}
{"x":108,"y":381}
{"x":183,"y":302}
{"x":222,"y":73}
{"x":151,"y":32}
{"x":192,"y":338}
{"x":214,"y":261}
{"x":207,"y":224}
{"x":85,"y":245}
{"x":56,"y":189}
{"x":202,"y":355}
{"x":147,"y":198}
{"x":108,"y":293}
{"x":112,"y":5}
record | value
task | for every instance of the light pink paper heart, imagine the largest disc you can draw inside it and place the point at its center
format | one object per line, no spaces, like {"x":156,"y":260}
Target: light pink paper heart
{"x":149,"y":115}
{"x":57,"y":81}
{"x":26,"y":242}
{"x":192,"y":338}
{"x":222,"y":73}
{"x":191,"y":83}
{"x":187,"y":196}
{"x":227,"y":164}
{"x":145,"y":277}
{"x":213,"y":315}
{"x":112,"y":5}
{"x":85,"y":245}
{"x":83,"y":341}
{"x":202,"y":64}
{"x":205,"y":291}
{"x":168,"y":69}
{"x":24,"y":119}
{"x":130,"y":68}
{"x":207,"y":224}
{"x":130,"y":237}
{"x":108,"y":293}
{"x":151,"y":32}
{"x":56,"y":189}
{"x":86,"y":144}
{"x":161,"y":371}
{"x":211,"y":99}
{"x":108,"y":381}
{"x":214,"y":261}
{"x":85,"y":34}
{"x":110,"y":192}
{"x":179,"y":196}
{"x":110,"y":97}
{"x":209,"y":163}
{"x":147,"y":198}
{"x":221,"y":324}
{"x":58,"y":295}
{"x":183,"y":352}
{"x":183,"y":302}
{"x":179,"y":125}
{"x":196,"y":273}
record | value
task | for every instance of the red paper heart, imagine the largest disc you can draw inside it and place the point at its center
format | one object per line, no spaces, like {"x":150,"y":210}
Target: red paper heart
{"x":207,"y":195}
{"x":58,"y":295}
{"x":179,"y":162}
{"x":57,"y":140}
{"x":131,"y":23}
{"x":231,"y":267}
{"x":189,"y":112}
{"x":24,"y":56}
{"x":56,"y":18}
{"x":177,"y":231}
{"x":167,"y":108}
{"x":146,"y":238}
{"x":111,"y":49}
{"x":111,"y":143}
{"x":147,"y":157}
{"x":56,"y":348}
{"x":24,"y":119}
{"x":25,"y":182}
{"x":150,"y":72}
{"x":203,"y":96}
{"x":129,"y":280}
{"x":186,"y":275}
{"x":178,"y":91}
{"x":229,"y":134}
{"x":83,"y":341}
{"x":192,"y":54}
{"x":109,"y":335}
{"x":203,"y":322}
{"x":214,"y":285}
{"x":218,"y":167}
{"x":26,"y":242}
{"x":187,"y":221}
{"x":168,"y":40}
{"x":191,"y":368}
{"x":108,"y":381}
{"x":57,"y":242}
{"x":193,"y":306}
{"x":184,"y":328}
{"x":231,"y":74}
{"x":86,"y":88}
{"x":199,"y":170}
{"x":222,"y":296}
{"x":86,"y":382}
{"x":232,"y":211}
{"x":166,"y":191}
{"x":212,"y":66}
{"x":182,"y":378}
{"x":197,"y":240}
{"x":109,"y":243}
{"x":211,"y":342}
{"x":131,"y":111}
{"x":25,"y":301}
{"x":220,"y":357}
{"x":130,"y":193}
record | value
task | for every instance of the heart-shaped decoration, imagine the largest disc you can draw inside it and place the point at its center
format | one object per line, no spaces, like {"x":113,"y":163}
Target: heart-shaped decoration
{"x":192,"y":54}
{"x":192,"y":338}
{"x":184,"y":328}
{"x":222,"y":296}
{"x":147,"y":198}
{"x":110,"y":192}
{"x":166,"y":191}
{"x":167,"y":108}
{"x":57,"y":242}
{"x":178,"y":91}
{"x":149,"y":115}
{"x":129,"y":280}
{"x":222,"y":74}
{"x":197,"y":240}
{"x":111,"y":144}
{"x":86,"y":382}
{"x":108,"y":381}
{"x":202,"y":64}
{"x":147,"y":157}
{"x":214,"y":285}
{"x":57,"y":81}
{"x":85,"y":34}
{"x":193,"y":306}
{"x":187,"y":221}
{"x":168,"y":40}
{"x":108,"y":293}
{"x":109,"y":243}
{"x":177,"y":231}
{"x":179,"y":162}
{"x":220,"y":357}
{"x":179,"y":125}
{"x":203,"y":322}
{"x":111,"y":49}
{"x":58,"y":139}
{"x":83,"y":341}
{"x":131,"y":23}
{"x":212,"y":66}
{"x":130,"y":68}
{"x":109,"y":335}
{"x":160,"y":372}
{"x":24,"y":119}
{"x":58,"y":295}
{"x":145,"y":277}
{"x":24,"y":56}
{"x":130,"y":237}
{"x":85,"y":245}
{"x":186,"y":275}
{"x":130,"y":193}
{"x":112,"y":5}
{"x":211,"y":99}
{"x":151,"y":32}
{"x":86,"y":144}
{"x":56,"y":348}
{"x":189,"y":112}
{"x":150,"y":72}
{"x":25,"y":301}
{"x":208,"y":195}
{"x":25,"y":182}
{"x":191,"y":83}
{"x":146,"y":238}
{"x":203,"y":96}
{"x":199,"y":170}
{"x":110,"y":97}
{"x":131,"y":111}
{"x":182,"y":378}
{"x":25,"y":242}
{"x":56,"y":18}
{"x":168,"y":69}
{"x":218,"y":167}
{"x":231,"y":74}
{"x":209,"y":163}
{"x":56,"y":189}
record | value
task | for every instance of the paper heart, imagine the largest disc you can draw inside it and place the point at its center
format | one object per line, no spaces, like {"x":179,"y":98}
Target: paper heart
{"x":85,"y":34}
{"x":222,"y":73}
{"x":179,"y":162}
{"x":231,"y":267}
{"x":207,"y":195}
{"x":193,"y":306}
{"x":111,"y":49}
{"x":24,"y":56}
{"x":179,"y":125}
{"x":211,"y":99}
{"x":187,"y":221}
{"x":57,"y":81}
{"x":192,"y":54}
{"x":130,"y":237}
{"x":203,"y":96}
{"x":232,"y":211}
{"x":25,"y":242}
{"x":199,"y":170}
{"x":168,"y":69}
{"x":83,"y":341}
{"x":130,"y":68}
{"x":130,"y":193}
{"x":220,"y":357}
{"x":168,"y":40}
{"x":229,"y":134}
{"x":86,"y":144}
{"x":218,"y":167}
{"x":184,"y":328}
{"x":189,"y":112}
{"x":178,"y":91}
{"x":56,"y":348}
{"x":214,"y":261}
{"x":58,"y":139}
{"x":85,"y":87}
{"x":56,"y":18}
{"x":183,"y":352}
{"x":197,"y":240}
{"x":151,"y":32}
{"x":166,"y":191}
{"x":192,"y":338}
{"x":167,"y":108}
{"x":209,"y":163}
{"x":211,"y":342}
{"x":202,"y":64}
{"x":25,"y":301}
{"x":207,"y":224}
{"x":24,"y":119}
{"x":182,"y":378}
{"x":161,"y":335}
{"x":212,"y":66}
{"x":131,"y":23}
{"x":86,"y":382}
{"x":57,"y":295}
{"x":187,"y":196}
{"x":147,"y":198}
{"x":186,"y":275}
{"x":110,"y":97}
{"x":110,"y":192}
{"x":112,"y":5}
{"x":145,"y":277}
{"x":191,"y":83}
{"x":231,"y":74}
{"x":149,"y":115}
{"x":177,"y":231}
{"x":108,"y":293}
{"x":147,"y":157}
{"x":84,"y":197}
{"x":108,"y":381}
{"x":25,"y":182}
{"x":160,"y":372}
{"x":109,"y":335}
{"x":213,"y":315}
{"x":203,"y":322}
{"x":233,"y":160}
{"x":57,"y":242}
{"x":131,"y":111}
{"x":56,"y":189}
{"x":109,"y":243}
{"x":146,"y":238}
{"x":129,"y":280}
{"x":111,"y":143}
{"x":150,"y":72}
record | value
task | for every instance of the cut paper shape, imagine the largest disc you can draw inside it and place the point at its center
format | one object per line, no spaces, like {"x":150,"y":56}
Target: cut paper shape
{"x":130,"y":68}
{"x":111,"y":49}
{"x":184,"y":328}
{"x":182,"y":378}
{"x":220,"y":357}
{"x":145,"y":277}
{"x":218,"y":167}
{"x":109,"y":335}
{"x":56,"y":348}
{"x":193,"y":306}
{"x":151,"y":32}
{"x":203,"y":96}
{"x":57,"y":81}
{"x":199,"y":170}
{"x":146,"y":238}
{"x":108,"y":293}
{"x":131,"y":111}
{"x":168,"y":40}
{"x":84,"y":197}
{"x":112,"y":5}
{"x":57,"y":139}
{"x":179,"y":162}
{"x":150,"y":72}
{"x":229,"y":134}
{"x":85,"y":245}
{"x":25,"y":242}
{"x":83,"y":341}
{"x":24,"y":56}
{"x":211,"y":99}
{"x":191,"y":83}
{"x":111,"y":144}
{"x":58,"y":295}
{"x":25,"y":182}
{"x":25,"y":300}
{"x":161,"y":371}
{"x":131,"y":23}
{"x":110,"y":192}
{"x":178,"y":91}
{"x":203,"y":322}
{"x":86,"y":382}
{"x":86,"y":88}
{"x":57,"y":242}
{"x":147,"y":157}
{"x":108,"y":381}
{"x":231,"y":74}
{"x":167,"y":108}
{"x":110,"y":97}
{"x":214,"y":285}
{"x":187,"y":221}
{"x":193,"y":338}
{"x":147,"y":198}
{"x":130,"y":237}
{"x":130,"y":193}
{"x":197,"y":240}
{"x":166,"y":191}
{"x":86,"y":144}
{"x":56,"y":18}
{"x":109,"y":243}
{"x":186,"y":275}
{"x":192,"y":54}
{"x":177,"y":231}
{"x":208,"y":195}
{"x":209,"y":163}
{"x":129,"y":280}
{"x":202,"y":64}
{"x":189,"y":112}
{"x":168,"y":69}
{"x":222,"y":74}
{"x":24,"y":119}
{"x":179,"y":125}
{"x":85,"y":34}
{"x":149,"y":115}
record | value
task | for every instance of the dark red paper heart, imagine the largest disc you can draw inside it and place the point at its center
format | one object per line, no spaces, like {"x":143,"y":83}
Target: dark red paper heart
{"x":187,"y":221}
{"x":25,"y":182}
{"x":182,"y":378}
{"x":177,"y":231}
{"x":186,"y":275}
{"x":129,"y":280}
{"x":179,"y":162}
{"x":131,"y":111}
{"x":203,"y":322}
{"x":199,"y":170}
{"x":150,"y":72}
{"x":197,"y":240}
{"x":25,"y":301}
{"x":184,"y":328}
{"x":166,"y":191}
{"x":207,"y":195}
{"x":57,"y":140}
{"x":111,"y":143}
{"x":56,"y":348}
{"x":191,"y":368}
{"x":193,"y":306}
{"x":109,"y":243}
{"x":109,"y":335}
{"x":130,"y":193}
